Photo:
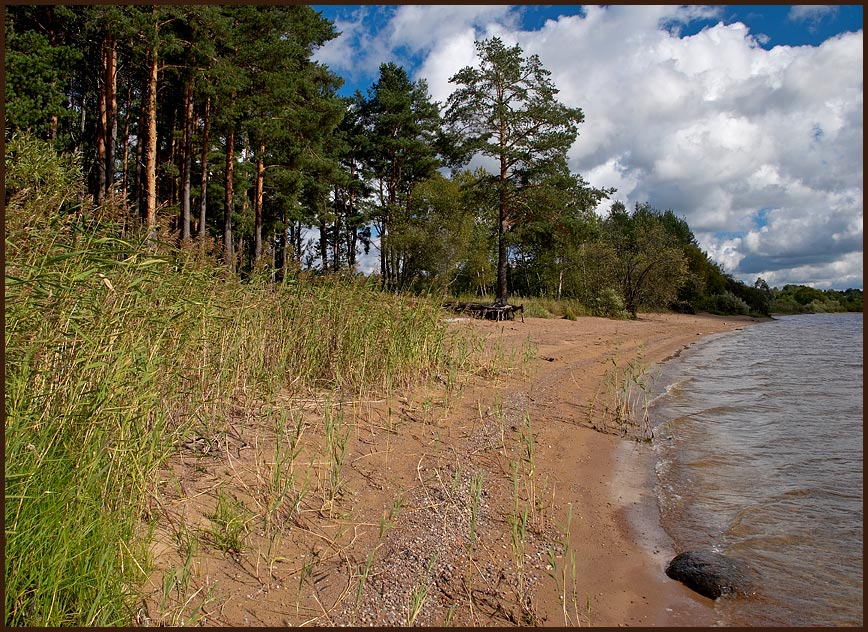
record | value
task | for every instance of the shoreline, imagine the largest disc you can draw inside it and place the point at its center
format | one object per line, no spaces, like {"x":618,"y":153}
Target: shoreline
{"x":620,"y":545}
{"x":634,"y":491}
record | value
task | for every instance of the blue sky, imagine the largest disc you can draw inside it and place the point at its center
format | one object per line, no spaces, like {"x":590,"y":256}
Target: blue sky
{"x":744,"y":119}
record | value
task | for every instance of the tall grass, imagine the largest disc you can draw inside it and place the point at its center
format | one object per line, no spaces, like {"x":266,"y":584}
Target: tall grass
{"x":115,"y":346}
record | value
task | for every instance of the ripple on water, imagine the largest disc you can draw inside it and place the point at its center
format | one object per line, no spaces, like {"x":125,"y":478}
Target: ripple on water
{"x":760,"y":457}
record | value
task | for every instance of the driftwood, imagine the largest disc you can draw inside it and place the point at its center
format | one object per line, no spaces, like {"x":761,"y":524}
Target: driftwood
{"x":487,"y":311}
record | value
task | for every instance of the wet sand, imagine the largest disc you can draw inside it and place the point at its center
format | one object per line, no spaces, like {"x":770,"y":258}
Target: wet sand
{"x":621,"y":549}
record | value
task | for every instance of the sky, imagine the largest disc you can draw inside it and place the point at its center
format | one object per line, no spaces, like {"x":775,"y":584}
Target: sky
{"x":746,"y":120}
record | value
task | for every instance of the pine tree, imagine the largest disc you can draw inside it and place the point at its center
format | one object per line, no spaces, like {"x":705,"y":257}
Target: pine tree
{"x":507,"y":109}
{"x":402,"y":125}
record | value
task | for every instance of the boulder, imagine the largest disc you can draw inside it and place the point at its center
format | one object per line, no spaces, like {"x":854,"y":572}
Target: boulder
{"x":710,"y":574}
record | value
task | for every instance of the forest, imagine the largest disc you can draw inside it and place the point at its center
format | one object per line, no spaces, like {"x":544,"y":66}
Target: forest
{"x":214,"y":126}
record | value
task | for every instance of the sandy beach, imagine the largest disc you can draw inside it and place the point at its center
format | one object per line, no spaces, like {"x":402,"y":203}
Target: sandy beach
{"x":621,"y":550}
{"x":422,"y":527}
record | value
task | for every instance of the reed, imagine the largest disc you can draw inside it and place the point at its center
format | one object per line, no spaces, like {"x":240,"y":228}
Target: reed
{"x":117,"y":346}
{"x":518,"y":520}
{"x":624,"y":399}
{"x":565,"y":575}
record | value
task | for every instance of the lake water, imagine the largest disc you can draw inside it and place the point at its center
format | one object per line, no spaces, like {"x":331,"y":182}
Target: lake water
{"x":759,"y":457}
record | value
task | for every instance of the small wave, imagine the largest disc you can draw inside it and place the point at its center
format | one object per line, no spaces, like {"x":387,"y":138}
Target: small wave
{"x":761,"y":455}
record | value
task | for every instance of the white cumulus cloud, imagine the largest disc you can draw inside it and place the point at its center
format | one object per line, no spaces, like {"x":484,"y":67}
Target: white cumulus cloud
{"x":759,"y":149}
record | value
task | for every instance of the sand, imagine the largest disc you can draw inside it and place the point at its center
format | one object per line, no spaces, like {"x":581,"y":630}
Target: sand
{"x":455,"y":458}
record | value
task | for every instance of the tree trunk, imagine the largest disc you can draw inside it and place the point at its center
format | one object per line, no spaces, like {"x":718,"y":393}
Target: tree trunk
{"x":101,"y":127}
{"x":502,"y":295}
{"x":297,"y":244}
{"x":275,"y":240}
{"x":142,"y":140}
{"x":257,"y":204}
{"x":173,"y":152}
{"x":336,"y":239}
{"x":126,"y":150}
{"x":151,"y":150}
{"x":227,"y":209}
{"x":384,"y":239}
{"x":188,"y":163}
{"x":111,"y":102}
{"x":204,"y":183}
{"x":52,"y":40}
{"x":323,"y":244}
{"x":352,"y":232}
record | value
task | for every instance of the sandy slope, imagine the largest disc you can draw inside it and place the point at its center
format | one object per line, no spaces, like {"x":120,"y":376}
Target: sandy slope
{"x":434,"y":450}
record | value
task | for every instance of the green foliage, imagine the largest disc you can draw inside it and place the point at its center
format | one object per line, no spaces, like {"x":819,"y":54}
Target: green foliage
{"x":610,"y":304}
{"x":551,"y":245}
{"x":725,"y":304}
{"x":362,"y":171}
{"x":507,"y":109}
{"x":757,"y":299}
{"x":400,"y":125}
{"x":433,"y":237}
{"x":38,"y":63}
{"x":801,"y":299}
{"x":647,"y":260}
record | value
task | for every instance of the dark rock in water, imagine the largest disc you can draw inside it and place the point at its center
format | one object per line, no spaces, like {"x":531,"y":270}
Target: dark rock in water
{"x":710,"y":574}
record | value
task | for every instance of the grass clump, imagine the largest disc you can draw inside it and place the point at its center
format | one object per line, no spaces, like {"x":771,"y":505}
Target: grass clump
{"x":230,"y":522}
{"x":624,"y":404}
{"x":117,"y":347}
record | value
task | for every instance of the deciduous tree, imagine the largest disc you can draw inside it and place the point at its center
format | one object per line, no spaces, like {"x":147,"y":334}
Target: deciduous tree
{"x":648,"y":262}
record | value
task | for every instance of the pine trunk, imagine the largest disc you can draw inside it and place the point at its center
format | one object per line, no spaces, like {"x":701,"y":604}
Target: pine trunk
{"x":126,"y":150}
{"x":259,"y":199}
{"x":111,"y":102}
{"x":227,"y":209}
{"x":172,"y":160}
{"x":142,"y":133}
{"x":204,"y":182}
{"x":297,"y":245}
{"x":151,"y":149}
{"x":336,"y":241}
{"x":187,"y":163}
{"x":101,"y":129}
{"x":502,"y":295}
{"x":323,"y":244}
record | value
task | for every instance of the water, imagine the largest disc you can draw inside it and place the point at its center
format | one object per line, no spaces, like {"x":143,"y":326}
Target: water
{"x":759,"y":448}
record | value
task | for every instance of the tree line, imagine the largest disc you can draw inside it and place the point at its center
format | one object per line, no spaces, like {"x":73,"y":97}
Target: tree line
{"x":214,"y":125}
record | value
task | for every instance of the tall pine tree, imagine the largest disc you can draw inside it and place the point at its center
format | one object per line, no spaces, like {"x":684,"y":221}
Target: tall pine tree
{"x":507,"y":109}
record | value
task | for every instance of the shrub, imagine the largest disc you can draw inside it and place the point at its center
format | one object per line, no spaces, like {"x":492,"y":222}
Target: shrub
{"x":726,"y":304}
{"x":610,"y":304}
